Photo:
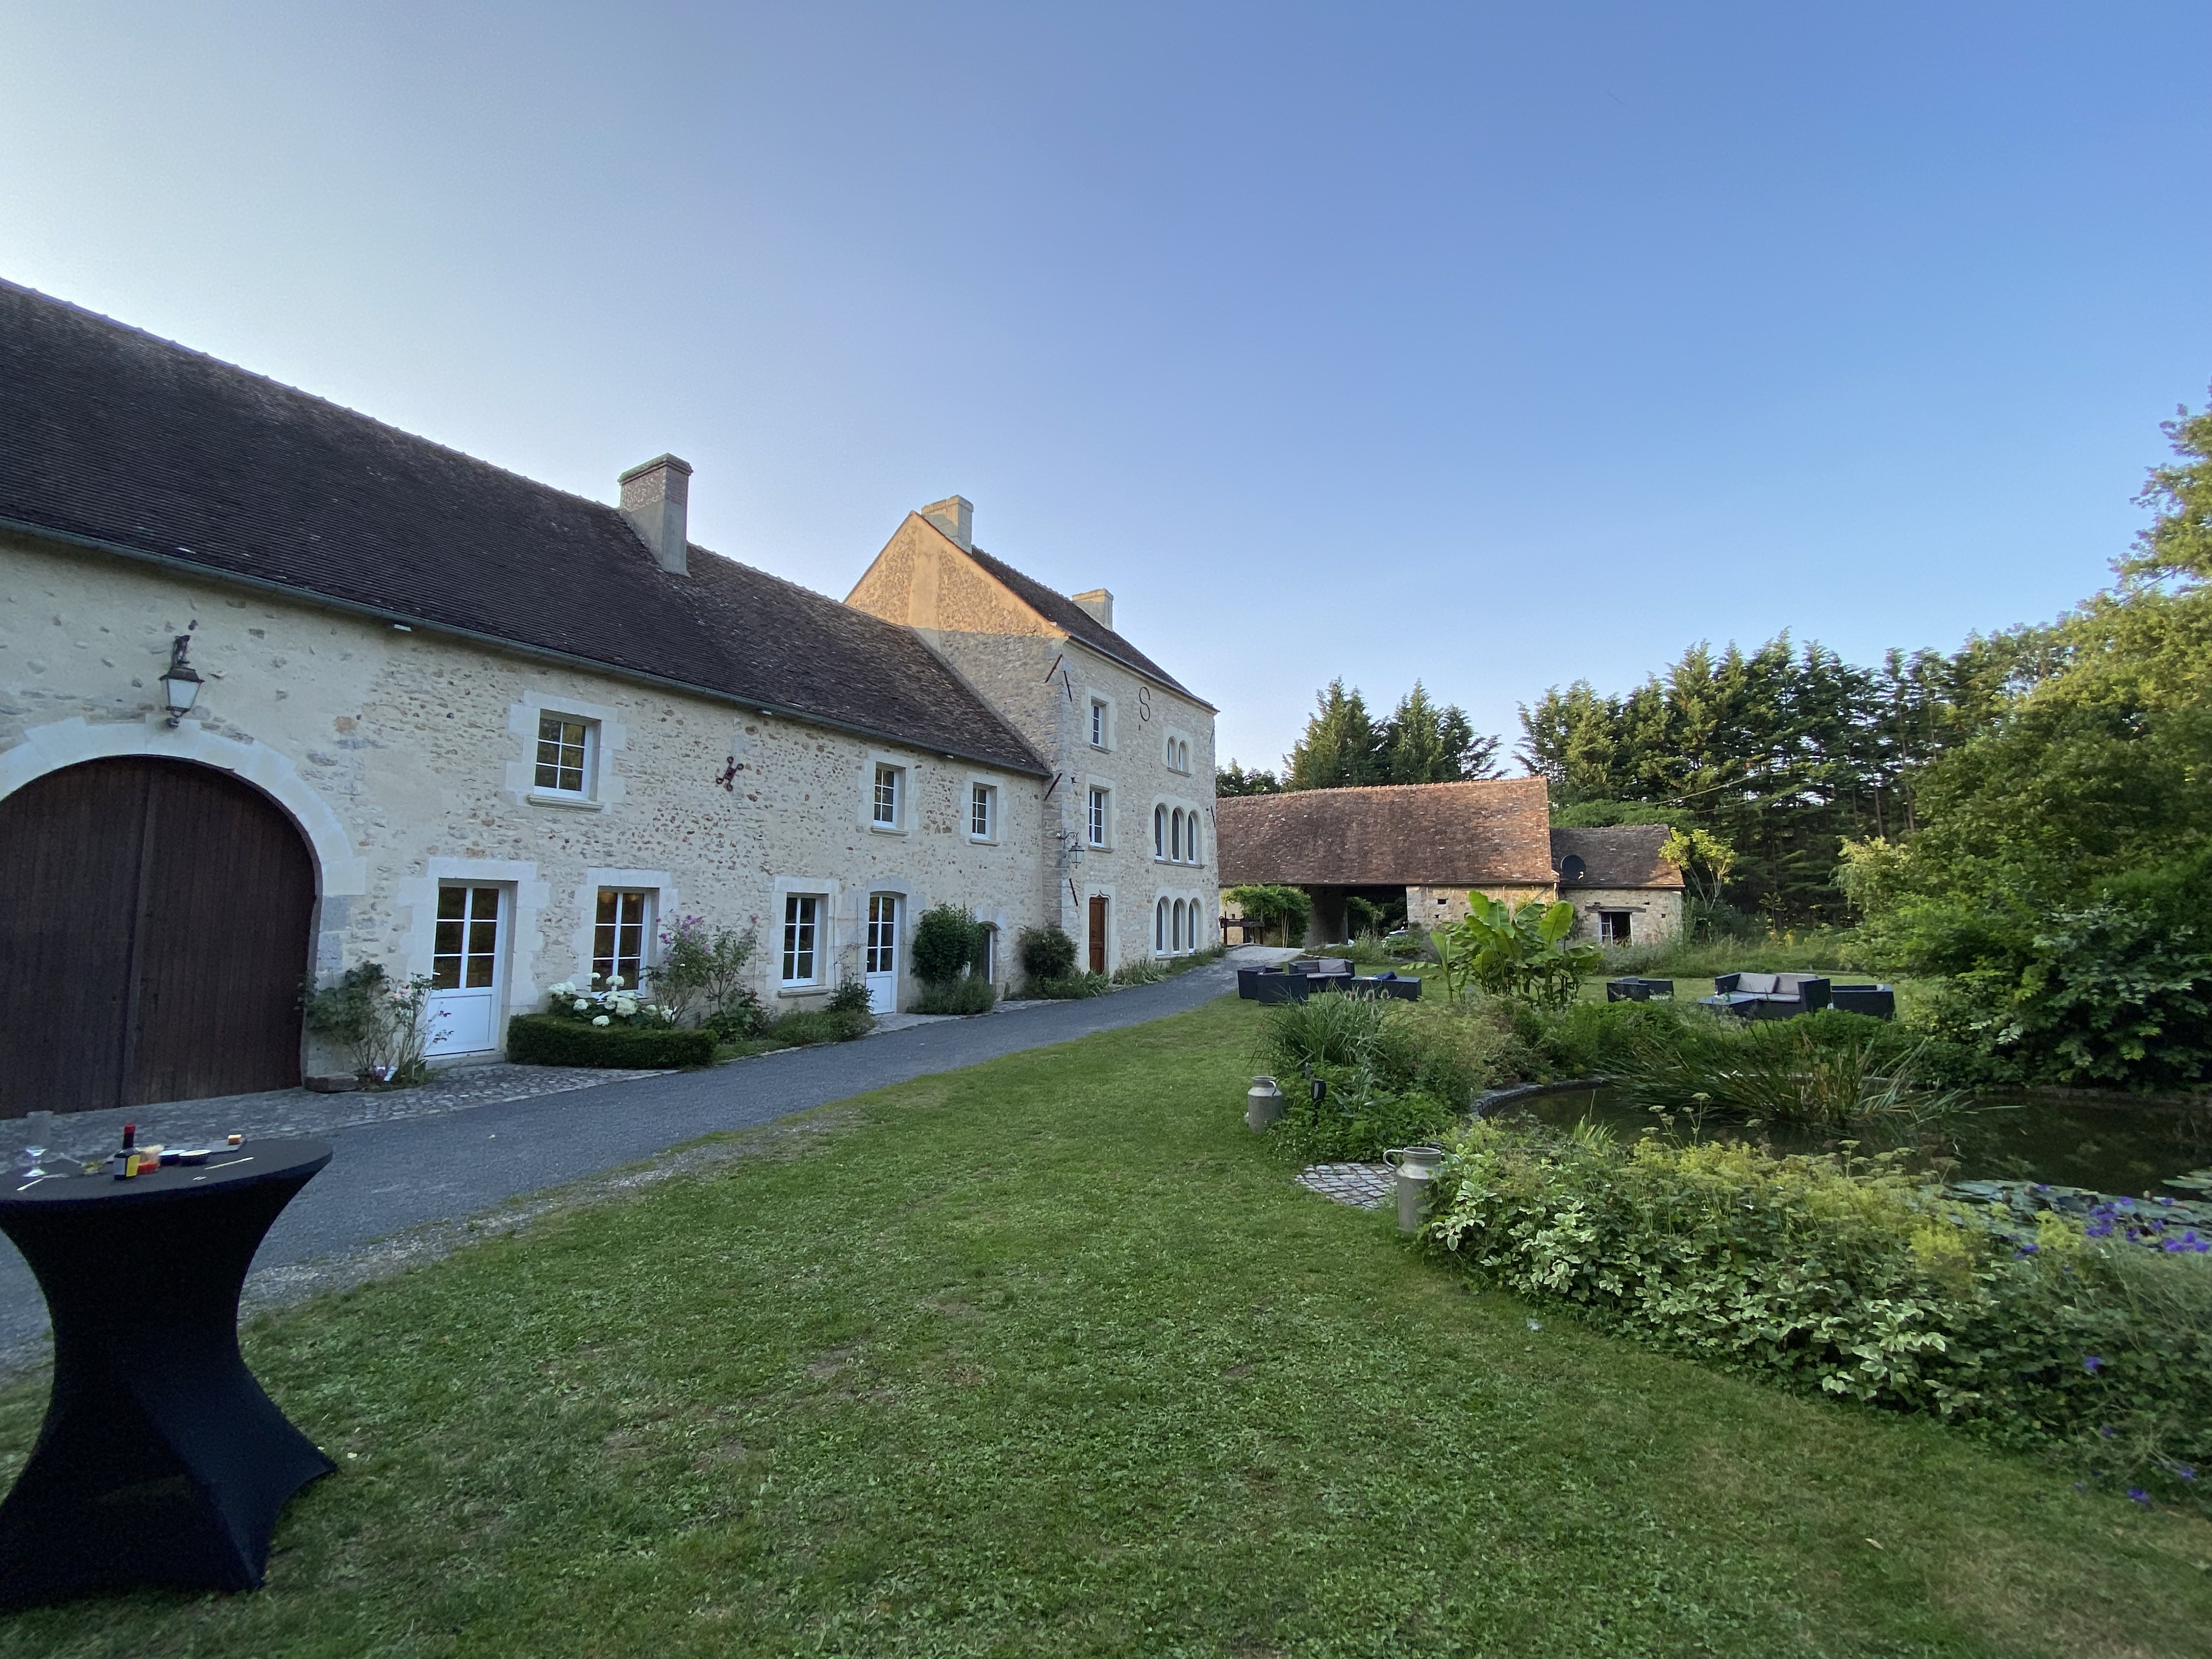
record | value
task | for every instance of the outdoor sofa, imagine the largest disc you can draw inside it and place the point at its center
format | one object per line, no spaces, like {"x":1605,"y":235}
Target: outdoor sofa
{"x":1630,"y":989}
{"x":1768,"y":996}
{"x":1295,"y":981}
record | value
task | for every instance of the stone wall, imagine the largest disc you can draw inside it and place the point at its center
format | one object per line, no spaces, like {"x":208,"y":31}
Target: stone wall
{"x":1042,"y":682}
{"x":1655,"y":913}
{"x":1430,"y":905}
{"x":408,"y":758}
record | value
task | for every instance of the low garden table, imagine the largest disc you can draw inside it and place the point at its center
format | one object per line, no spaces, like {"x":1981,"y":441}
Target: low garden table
{"x":161,"y":1461}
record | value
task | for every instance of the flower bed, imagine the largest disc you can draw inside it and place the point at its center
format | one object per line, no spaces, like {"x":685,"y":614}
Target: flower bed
{"x":550,"y":1040}
{"x":1859,"y":1280}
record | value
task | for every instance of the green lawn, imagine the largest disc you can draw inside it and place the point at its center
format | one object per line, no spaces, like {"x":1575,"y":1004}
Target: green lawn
{"x":1050,"y":1356}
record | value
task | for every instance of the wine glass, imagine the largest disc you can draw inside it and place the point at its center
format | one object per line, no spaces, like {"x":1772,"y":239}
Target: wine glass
{"x":40,"y":1125}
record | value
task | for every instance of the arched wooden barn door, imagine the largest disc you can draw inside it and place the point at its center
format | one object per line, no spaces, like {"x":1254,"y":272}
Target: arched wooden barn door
{"x":152,"y":938}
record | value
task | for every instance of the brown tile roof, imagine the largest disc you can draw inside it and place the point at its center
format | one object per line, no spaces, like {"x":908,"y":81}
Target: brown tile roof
{"x":113,"y":437}
{"x":1625,"y":856}
{"x":1491,"y":833}
{"x":1072,"y":618}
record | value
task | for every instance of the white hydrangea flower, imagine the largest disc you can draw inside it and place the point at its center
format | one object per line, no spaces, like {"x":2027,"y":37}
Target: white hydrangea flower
{"x":601,"y":1020}
{"x":581,"y":1006}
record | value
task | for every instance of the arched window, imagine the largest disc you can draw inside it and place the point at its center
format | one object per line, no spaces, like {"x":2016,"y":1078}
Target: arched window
{"x":1184,"y":757}
{"x":1160,"y":929}
{"x":1159,"y":832}
{"x":1190,"y":840}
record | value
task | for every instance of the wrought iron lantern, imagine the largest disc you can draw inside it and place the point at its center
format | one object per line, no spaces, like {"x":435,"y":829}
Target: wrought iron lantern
{"x":180,"y":683}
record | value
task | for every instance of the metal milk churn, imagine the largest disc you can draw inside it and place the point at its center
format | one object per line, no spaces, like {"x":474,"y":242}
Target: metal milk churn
{"x":1417,"y":1169}
{"x":1263,"y":1102}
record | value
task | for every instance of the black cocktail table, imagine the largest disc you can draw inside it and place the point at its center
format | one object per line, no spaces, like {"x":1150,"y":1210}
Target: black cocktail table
{"x":161,"y":1462}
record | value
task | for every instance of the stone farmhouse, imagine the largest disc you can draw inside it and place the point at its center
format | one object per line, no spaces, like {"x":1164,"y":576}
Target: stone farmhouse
{"x":1435,"y":842}
{"x":455,"y":721}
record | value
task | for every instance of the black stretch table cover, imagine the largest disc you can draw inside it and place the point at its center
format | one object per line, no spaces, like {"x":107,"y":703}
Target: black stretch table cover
{"x":161,"y":1462}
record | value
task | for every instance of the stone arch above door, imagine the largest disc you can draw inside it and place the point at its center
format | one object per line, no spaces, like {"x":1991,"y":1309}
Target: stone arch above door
{"x":340,"y":872}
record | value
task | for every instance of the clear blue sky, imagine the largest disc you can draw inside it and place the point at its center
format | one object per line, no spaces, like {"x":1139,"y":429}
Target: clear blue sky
{"x":1497,"y":344}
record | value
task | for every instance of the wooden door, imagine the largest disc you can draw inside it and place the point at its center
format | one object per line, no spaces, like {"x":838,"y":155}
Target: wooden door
{"x":1098,"y":935}
{"x":152,"y":938}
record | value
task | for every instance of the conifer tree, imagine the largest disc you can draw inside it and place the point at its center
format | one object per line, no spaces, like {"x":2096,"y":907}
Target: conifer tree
{"x":1339,"y":750}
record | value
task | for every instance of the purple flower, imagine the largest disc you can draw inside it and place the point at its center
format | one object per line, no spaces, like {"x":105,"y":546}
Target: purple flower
{"x":2184,"y":1471}
{"x":2027,"y":1249}
{"x":2107,"y":1431}
{"x":2092,"y":1364}
{"x":2100,"y":1228}
{"x":2139,"y":1494}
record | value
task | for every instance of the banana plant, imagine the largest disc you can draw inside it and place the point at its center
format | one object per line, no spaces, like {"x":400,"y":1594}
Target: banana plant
{"x":1518,"y":954}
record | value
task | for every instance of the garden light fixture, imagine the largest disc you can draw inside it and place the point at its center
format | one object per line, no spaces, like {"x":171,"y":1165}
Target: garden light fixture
{"x":180,"y":685}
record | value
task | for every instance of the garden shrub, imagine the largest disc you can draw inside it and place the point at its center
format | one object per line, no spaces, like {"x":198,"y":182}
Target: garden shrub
{"x":1360,"y":1115}
{"x":550,"y":1040}
{"x":1461,"y":1048}
{"x":1594,"y":1039}
{"x":702,"y":972}
{"x":945,"y":942}
{"x":1142,"y":971}
{"x":1335,"y":1030}
{"x":832,"y":1023}
{"x":1837,"y":1070}
{"x":1852,"y":1280}
{"x":740,"y":1018}
{"x":1446,"y":1051}
{"x":1275,"y":908}
{"x":1069,"y":987}
{"x":386,"y":1025}
{"x":1047,"y":953}
{"x":969,"y":995}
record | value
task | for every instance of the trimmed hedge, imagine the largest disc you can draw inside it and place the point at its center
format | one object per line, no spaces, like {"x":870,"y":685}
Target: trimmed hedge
{"x":548,"y":1040}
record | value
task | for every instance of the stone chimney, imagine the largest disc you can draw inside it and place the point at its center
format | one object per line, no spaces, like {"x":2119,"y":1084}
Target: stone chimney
{"x":956,"y":516}
{"x":1098,"y":603}
{"x":656,"y":499}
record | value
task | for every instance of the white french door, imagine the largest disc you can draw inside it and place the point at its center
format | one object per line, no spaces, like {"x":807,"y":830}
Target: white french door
{"x":883,"y":953}
{"x":468,"y":971}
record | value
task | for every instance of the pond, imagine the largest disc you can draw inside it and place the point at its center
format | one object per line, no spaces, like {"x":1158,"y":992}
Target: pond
{"x":2117,"y":1148}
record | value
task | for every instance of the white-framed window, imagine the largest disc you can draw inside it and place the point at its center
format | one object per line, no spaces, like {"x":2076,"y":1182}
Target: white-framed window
{"x":1095,"y":817}
{"x":1178,"y":754}
{"x":1160,"y":929}
{"x":1184,"y":751}
{"x":620,"y":933}
{"x":1101,"y":724}
{"x":1190,"y":850}
{"x":1175,"y":834}
{"x":565,"y":746}
{"x":986,"y":951}
{"x":983,"y":812}
{"x":889,"y":801}
{"x":1159,"y":832}
{"x":802,"y":919}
